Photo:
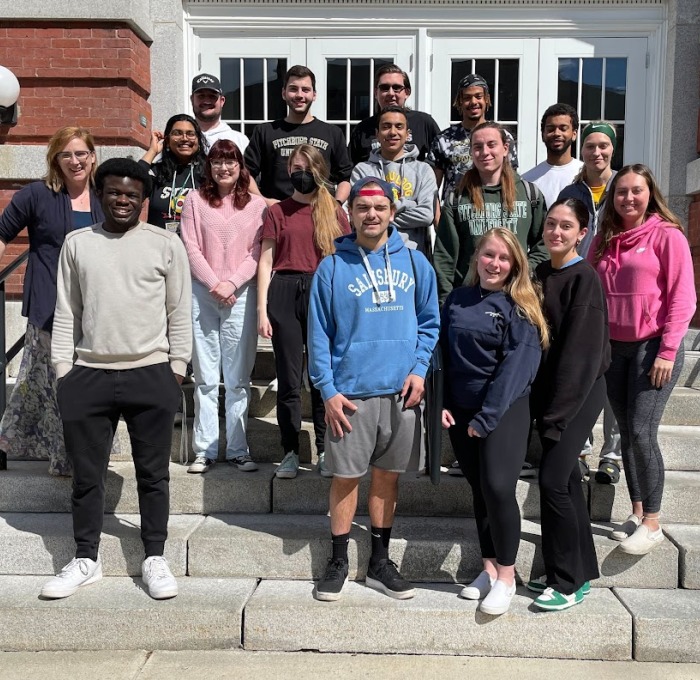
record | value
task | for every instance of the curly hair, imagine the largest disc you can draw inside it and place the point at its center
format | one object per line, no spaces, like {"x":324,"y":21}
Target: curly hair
{"x":123,"y":167}
{"x":209,"y":190}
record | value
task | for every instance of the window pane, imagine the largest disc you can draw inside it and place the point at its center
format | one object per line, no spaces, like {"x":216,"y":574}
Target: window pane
{"x":253,"y":92}
{"x":231,"y":83}
{"x":276,"y":108}
{"x":592,"y":88}
{"x":343,"y":128}
{"x":360,"y":89}
{"x":615,"y":88}
{"x":508,"y":89}
{"x":568,"y":82}
{"x":335,"y":88}
{"x":619,"y":155}
{"x":248,"y":129}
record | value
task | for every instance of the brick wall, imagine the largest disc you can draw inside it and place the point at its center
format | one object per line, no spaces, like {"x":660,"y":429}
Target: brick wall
{"x":97,"y":76}
{"x":94,"y":75}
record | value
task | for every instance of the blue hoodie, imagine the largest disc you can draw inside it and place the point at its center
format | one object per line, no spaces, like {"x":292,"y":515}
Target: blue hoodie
{"x":365,"y":342}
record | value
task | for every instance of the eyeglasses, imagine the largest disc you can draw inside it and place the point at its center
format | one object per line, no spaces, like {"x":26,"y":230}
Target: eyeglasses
{"x":190,"y":134}
{"x":67,"y":155}
{"x":385,"y":87}
{"x":229,"y":163}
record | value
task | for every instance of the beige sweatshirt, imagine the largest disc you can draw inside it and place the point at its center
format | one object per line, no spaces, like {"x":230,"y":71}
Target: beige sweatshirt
{"x":124,"y":300}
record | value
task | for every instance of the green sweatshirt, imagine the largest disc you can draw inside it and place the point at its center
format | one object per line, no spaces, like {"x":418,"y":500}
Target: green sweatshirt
{"x":461,"y":225}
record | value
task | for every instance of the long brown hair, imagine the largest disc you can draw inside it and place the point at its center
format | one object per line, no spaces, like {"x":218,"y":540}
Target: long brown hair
{"x":54,"y":176}
{"x":324,"y":209}
{"x":610,"y":223}
{"x":225,"y":149}
{"x":519,"y":285}
{"x":471,"y":182}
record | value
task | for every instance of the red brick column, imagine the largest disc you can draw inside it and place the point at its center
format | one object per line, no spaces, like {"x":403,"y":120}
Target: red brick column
{"x":73,"y":73}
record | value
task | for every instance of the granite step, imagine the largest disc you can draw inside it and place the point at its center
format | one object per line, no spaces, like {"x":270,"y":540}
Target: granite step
{"x":680,"y":504}
{"x":444,"y":549}
{"x":284,"y":616}
{"x":117,"y":613}
{"x":683,"y":407}
{"x":666,"y":623}
{"x":686,"y":538}
{"x":42,"y":543}
{"x":690,"y":373}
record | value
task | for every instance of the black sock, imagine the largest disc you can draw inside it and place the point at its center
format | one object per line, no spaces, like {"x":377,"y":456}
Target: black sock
{"x":340,"y":546}
{"x":380,"y":544}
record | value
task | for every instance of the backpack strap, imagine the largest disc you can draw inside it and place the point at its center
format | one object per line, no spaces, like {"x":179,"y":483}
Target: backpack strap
{"x":532,"y":193}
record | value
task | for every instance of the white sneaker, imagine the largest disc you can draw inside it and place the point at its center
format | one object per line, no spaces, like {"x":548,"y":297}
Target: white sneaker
{"x":642,"y":541}
{"x":158,"y":578}
{"x":479,"y":588}
{"x":80,"y":571}
{"x":498,"y":600}
{"x":201,"y":465}
{"x":289,"y":467}
{"x":626,"y":529}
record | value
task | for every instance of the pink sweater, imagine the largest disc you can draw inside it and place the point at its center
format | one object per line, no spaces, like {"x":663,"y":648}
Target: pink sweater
{"x":223,"y":244}
{"x":647,"y":276}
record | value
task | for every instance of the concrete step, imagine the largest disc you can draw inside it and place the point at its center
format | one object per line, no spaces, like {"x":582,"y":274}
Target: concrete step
{"x":42,"y":543}
{"x":117,"y":613}
{"x":26,"y":487}
{"x":683,"y":408}
{"x":426,"y":549}
{"x":691,"y":341}
{"x":283,"y":616}
{"x":687,"y":539}
{"x":690,"y":374}
{"x":666,"y":623}
{"x":680,"y":504}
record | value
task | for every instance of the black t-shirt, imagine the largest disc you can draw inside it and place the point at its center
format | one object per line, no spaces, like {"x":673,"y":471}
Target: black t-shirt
{"x":423,"y":129}
{"x":272,"y":143}
{"x":166,"y":200}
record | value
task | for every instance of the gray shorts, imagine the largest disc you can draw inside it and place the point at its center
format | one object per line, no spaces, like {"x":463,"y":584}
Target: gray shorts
{"x":384,"y":435}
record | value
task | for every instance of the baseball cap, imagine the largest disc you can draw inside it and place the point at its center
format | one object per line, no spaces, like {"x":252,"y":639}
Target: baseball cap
{"x":205,"y":81}
{"x":473,"y":79}
{"x":384,"y":186}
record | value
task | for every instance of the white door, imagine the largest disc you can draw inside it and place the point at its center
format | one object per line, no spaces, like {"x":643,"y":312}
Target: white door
{"x":251,"y":71}
{"x":344,"y":70}
{"x":509,"y":67}
{"x":603,"y":79}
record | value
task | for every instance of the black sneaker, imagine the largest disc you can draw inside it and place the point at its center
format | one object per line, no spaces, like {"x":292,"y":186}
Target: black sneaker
{"x":330,"y":587}
{"x":608,"y":472}
{"x":384,"y":576}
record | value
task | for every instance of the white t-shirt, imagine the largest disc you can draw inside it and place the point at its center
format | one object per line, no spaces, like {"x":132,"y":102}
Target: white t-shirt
{"x":224,"y":131}
{"x":551,"y":179}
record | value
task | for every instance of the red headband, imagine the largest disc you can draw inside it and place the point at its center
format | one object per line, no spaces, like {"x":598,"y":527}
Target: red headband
{"x":371,"y":192}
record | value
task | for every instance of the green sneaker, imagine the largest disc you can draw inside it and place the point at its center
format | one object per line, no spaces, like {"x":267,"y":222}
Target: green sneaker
{"x":539,"y":585}
{"x":289,"y":467}
{"x":553,"y":600}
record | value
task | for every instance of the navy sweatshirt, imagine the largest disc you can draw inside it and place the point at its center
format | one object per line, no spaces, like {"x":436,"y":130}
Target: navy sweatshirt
{"x":579,"y":353}
{"x":491,"y":354}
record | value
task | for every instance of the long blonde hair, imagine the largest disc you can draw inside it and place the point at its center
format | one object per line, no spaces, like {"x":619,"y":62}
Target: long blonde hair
{"x":471,"y":182}
{"x":324,"y":209}
{"x":527,"y":298}
{"x":54,"y":176}
{"x":610,"y":224}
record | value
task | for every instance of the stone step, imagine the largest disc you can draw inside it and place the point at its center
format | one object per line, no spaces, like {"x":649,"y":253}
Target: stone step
{"x":666,"y":623}
{"x":42,"y":543}
{"x":117,"y":613}
{"x":426,"y":549}
{"x":283,"y":616}
{"x":690,"y":373}
{"x":683,"y":408}
{"x":680,"y":504}
{"x":691,"y":341}
{"x":687,"y":539}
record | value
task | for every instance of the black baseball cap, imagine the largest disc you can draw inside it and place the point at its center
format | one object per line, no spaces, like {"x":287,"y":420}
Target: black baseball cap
{"x":205,"y":81}
{"x":473,"y":79}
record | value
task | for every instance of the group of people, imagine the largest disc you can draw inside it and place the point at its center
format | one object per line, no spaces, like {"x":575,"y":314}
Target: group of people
{"x":547,"y":295}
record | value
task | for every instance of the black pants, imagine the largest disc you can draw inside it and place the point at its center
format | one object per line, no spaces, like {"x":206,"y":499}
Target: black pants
{"x":567,"y":540}
{"x":492,"y":466}
{"x":91,"y":401}
{"x":288,"y":310}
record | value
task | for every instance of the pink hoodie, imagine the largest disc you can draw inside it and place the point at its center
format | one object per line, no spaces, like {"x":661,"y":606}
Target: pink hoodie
{"x":647,"y":276}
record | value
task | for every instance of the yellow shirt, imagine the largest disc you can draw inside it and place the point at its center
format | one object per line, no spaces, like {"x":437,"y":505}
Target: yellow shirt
{"x":597,"y":194}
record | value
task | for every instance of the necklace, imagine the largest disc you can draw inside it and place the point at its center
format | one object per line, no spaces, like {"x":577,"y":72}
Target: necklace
{"x":483,"y":292}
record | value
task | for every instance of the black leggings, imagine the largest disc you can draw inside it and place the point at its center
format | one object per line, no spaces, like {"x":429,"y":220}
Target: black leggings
{"x":638,"y":407}
{"x":492,"y":466}
{"x":288,"y":310}
{"x":567,"y":540}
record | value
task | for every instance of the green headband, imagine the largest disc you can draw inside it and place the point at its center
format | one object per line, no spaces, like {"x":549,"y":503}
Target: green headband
{"x":599,"y":127}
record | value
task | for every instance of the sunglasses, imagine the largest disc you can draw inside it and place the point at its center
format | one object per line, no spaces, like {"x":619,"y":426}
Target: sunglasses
{"x":385,"y":87}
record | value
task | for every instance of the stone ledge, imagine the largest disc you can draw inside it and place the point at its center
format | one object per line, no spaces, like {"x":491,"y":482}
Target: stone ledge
{"x":692,"y":177}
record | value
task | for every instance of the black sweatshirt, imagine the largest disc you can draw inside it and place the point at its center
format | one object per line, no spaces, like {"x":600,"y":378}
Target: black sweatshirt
{"x":491,"y":354}
{"x":574,"y":304}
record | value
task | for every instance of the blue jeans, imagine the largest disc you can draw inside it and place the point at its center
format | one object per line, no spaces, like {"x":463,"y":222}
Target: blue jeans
{"x":225,"y":342}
